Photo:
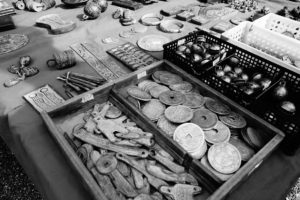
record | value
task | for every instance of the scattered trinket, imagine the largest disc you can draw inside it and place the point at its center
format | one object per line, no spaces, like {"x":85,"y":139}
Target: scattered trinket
{"x":56,"y":24}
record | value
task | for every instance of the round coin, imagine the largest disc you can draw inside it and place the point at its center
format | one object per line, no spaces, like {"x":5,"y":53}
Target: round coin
{"x":153,"y":109}
{"x":172,"y":98}
{"x":253,"y":137}
{"x":184,"y":87}
{"x":167,"y":126}
{"x":217,"y":107}
{"x":234,"y":120}
{"x":190,"y":136}
{"x":179,"y":114}
{"x":113,"y":112}
{"x":134,"y":102}
{"x":219,"y":133}
{"x":194,"y":100}
{"x":224,"y":158}
{"x":170,"y":79}
{"x":205,"y":118}
{"x":139,"y":94}
{"x":245,"y":151}
{"x":158,"y":90}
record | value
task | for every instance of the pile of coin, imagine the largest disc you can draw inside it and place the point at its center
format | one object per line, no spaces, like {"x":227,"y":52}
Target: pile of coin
{"x":205,"y":127}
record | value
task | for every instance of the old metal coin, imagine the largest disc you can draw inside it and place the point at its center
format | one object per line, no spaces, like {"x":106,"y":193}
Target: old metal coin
{"x":253,"y":137}
{"x":113,"y":112}
{"x":219,"y":133}
{"x":217,"y":107}
{"x":245,"y":151}
{"x":224,"y":157}
{"x":205,"y":118}
{"x":234,"y":120}
{"x":139,"y":94}
{"x":158,"y":90}
{"x":184,"y":87}
{"x":179,"y":114}
{"x":153,"y":109}
{"x":167,"y":126}
{"x":172,"y":98}
{"x":194,"y":100}
{"x":222,"y":177}
{"x":146,"y":85}
{"x":170,"y":79}
{"x":134,"y":102}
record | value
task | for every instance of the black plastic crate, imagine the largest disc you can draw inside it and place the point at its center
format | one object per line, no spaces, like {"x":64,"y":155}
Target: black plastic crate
{"x":269,"y":109}
{"x":249,"y":63}
{"x":187,"y":64}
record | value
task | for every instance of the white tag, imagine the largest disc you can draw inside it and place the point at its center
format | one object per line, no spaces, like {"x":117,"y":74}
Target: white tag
{"x":87,"y":97}
{"x":141,"y":75}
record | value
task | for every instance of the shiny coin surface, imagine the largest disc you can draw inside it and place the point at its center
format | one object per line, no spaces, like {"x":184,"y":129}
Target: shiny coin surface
{"x":190,"y":136}
{"x":234,"y":120}
{"x":205,"y":118}
{"x":217,"y":107}
{"x":222,"y":177}
{"x":139,"y":94}
{"x":194,"y":100}
{"x":153,"y":109}
{"x":219,"y":133}
{"x":158,"y":90}
{"x":167,"y":126}
{"x":134,"y":102}
{"x":253,"y":137}
{"x":172,"y":98}
{"x":246,"y":151}
{"x":147,"y":85}
{"x":184,"y":87}
{"x":179,"y":114}
{"x":113,"y":112}
{"x":224,"y":158}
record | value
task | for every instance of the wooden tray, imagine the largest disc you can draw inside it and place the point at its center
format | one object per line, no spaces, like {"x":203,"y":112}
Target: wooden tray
{"x":61,"y":120}
{"x":218,"y":189}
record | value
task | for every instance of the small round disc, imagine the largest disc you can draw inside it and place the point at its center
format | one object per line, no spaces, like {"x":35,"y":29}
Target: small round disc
{"x":134,"y":102}
{"x":113,"y":112}
{"x":194,"y":100}
{"x":139,"y":94}
{"x":172,"y":98}
{"x":217,"y":107}
{"x":253,"y":137}
{"x":153,"y":109}
{"x":146,"y":85}
{"x":167,"y":126}
{"x":234,"y":120}
{"x":219,"y":133}
{"x":224,"y":158}
{"x":126,"y":34}
{"x":139,"y":29}
{"x":205,"y":118}
{"x":158,"y":90}
{"x":245,"y":151}
{"x":170,"y":79}
{"x":184,"y":87}
{"x":179,"y":114}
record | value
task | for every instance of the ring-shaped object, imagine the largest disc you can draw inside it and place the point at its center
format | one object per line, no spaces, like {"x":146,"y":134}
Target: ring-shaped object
{"x":147,"y":19}
{"x":168,"y":26}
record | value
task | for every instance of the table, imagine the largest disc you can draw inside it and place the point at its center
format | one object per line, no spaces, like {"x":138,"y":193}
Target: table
{"x":24,"y":132}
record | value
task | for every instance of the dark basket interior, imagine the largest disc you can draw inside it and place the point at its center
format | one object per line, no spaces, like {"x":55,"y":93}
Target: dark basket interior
{"x":251,"y":64}
{"x":187,"y":64}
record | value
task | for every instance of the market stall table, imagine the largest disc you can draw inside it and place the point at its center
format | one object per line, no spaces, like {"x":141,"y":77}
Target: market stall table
{"x":24,"y":131}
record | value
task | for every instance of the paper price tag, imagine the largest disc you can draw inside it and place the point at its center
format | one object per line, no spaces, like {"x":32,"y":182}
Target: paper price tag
{"x":87,"y":97}
{"x":141,"y":75}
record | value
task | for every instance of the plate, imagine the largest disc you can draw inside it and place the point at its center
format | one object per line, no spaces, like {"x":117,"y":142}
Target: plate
{"x":153,"y":42}
{"x":12,"y":42}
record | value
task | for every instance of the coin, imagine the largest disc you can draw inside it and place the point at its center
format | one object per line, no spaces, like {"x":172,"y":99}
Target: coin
{"x":172,"y":98}
{"x":194,"y":100}
{"x":245,"y":151}
{"x":179,"y":114}
{"x":167,"y":126}
{"x":190,"y":136}
{"x":113,"y":112}
{"x":222,"y":177}
{"x":153,"y":109}
{"x":146,"y":85}
{"x":158,"y":90}
{"x":224,"y":158}
{"x":170,"y":79}
{"x":219,"y":133}
{"x":139,"y":94}
{"x":184,"y":87}
{"x":134,"y":102}
{"x":217,"y":107}
{"x":234,"y":120}
{"x":253,"y":137}
{"x":205,"y":118}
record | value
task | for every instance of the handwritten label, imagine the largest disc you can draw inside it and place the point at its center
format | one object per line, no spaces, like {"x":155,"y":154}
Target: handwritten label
{"x":141,"y":75}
